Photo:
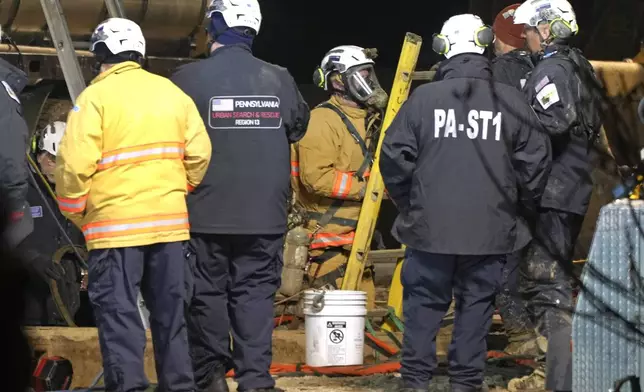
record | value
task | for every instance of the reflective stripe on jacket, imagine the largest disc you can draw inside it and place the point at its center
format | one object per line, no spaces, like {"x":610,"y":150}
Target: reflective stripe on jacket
{"x":323,"y":165}
{"x":134,"y":146}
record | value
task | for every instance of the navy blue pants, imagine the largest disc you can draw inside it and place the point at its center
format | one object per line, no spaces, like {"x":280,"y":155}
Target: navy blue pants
{"x":115,"y":278}
{"x":429,"y":281}
{"x":235,"y":281}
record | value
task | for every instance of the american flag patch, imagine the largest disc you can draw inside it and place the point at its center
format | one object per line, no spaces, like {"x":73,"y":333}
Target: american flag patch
{"x":222,"y":105}
{"x":542,"y":83}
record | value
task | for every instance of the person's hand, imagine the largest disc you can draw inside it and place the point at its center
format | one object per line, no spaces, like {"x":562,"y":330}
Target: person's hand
{"x":45,"y":268}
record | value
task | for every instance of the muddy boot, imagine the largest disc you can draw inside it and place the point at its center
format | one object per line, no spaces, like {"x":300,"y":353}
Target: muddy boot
{"x":535,"y":382}
{"x":526,"y":343}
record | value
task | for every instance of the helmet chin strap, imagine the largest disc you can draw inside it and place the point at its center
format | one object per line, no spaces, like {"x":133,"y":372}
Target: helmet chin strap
{"x":96,"y":68}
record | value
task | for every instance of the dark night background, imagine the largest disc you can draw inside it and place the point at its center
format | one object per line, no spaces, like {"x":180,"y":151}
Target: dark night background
{"x":297,"y":33}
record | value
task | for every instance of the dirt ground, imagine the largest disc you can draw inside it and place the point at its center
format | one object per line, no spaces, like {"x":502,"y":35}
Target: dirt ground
{"x":382,"y":383}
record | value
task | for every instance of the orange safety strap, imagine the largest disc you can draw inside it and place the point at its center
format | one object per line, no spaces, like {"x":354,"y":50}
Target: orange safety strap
{"x":142,"y":153}
{"x":72,"y":205}
{"x":147,"y":224}
{"x":328,"y":240}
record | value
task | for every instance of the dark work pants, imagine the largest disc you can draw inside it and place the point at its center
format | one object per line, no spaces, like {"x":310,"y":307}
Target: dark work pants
{"x":235,"y":281}
{"x":115,"y":278}
{"x":429,"y":281}
{"x":512,"y":307}
{"x":546,"y":287}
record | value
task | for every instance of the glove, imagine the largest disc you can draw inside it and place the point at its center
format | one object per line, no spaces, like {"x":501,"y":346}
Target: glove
{"x":45,"y":268}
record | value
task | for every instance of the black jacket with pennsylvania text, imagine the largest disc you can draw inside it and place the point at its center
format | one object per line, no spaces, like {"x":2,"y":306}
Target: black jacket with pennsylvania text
{"x":252,"y":111}
{"x":459,"y":158}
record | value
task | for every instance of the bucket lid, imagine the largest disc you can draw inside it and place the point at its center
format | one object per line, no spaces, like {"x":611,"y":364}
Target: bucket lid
{"x":336,"y":293}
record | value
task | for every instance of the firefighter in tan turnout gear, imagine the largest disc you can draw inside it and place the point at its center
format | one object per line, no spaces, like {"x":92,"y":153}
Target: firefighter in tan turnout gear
{"x":330,"y":165}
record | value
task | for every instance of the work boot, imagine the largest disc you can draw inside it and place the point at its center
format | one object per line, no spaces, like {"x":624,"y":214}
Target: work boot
{"x":526,"y":343}
{"x":535,"y":382}
{"x":218,"y":383}
{"x":532,"y":347}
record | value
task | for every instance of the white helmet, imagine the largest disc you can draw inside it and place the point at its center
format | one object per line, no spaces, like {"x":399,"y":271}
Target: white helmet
{"x":464,"y":33}
{"x":51,"y":136}
{"x":346,"y":60}
{"x":237,"y":13}
{"x":119,"y":35}
{"x":559,"y":13}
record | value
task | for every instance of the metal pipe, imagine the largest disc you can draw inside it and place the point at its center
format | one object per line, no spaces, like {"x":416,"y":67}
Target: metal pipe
{"x":64,"y":47}
{"x":24,"y":49}
{"x":115,"y":8}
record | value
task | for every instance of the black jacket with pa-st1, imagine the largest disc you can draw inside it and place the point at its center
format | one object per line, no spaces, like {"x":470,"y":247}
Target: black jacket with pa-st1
{"x":459,"y":157}
{"x":563,"y":91}
{"x":252,"y":111}
{"x":513,"y":68}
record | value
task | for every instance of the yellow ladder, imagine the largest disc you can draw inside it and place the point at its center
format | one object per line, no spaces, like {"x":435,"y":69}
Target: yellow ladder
{"x":405,"y":74}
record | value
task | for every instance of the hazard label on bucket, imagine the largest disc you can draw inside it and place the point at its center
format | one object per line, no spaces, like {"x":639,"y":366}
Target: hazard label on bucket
{"x":336,"y":336}
{"x":336,"y":324}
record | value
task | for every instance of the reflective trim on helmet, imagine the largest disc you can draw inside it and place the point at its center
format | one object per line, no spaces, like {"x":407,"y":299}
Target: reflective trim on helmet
{"x":543,"y":15}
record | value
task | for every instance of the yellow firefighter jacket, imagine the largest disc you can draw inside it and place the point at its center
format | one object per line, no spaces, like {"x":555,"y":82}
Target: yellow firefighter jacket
{"x":135,"y":144}
{"x":323,"y":170}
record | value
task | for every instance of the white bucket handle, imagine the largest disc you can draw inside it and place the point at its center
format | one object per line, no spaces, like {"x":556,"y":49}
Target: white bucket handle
{"x":318,"y":302}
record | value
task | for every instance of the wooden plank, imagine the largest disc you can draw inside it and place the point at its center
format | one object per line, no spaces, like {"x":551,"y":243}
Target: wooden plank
{"x":80,"y":346}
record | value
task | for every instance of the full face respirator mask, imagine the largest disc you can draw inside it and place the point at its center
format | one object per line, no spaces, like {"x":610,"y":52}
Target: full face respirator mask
{"x":362,"y":85}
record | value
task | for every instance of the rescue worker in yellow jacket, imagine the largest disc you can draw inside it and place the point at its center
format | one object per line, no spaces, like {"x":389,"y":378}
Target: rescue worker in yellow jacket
{"x":330,"y":165}
{"x":135,"y":145}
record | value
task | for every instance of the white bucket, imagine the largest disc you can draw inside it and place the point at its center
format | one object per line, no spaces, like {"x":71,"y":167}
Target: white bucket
{"x":334,"y":322}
